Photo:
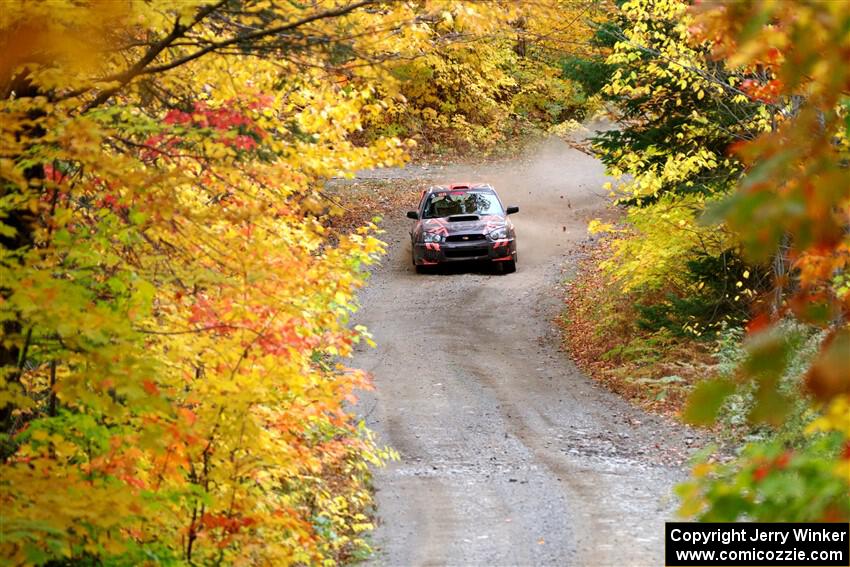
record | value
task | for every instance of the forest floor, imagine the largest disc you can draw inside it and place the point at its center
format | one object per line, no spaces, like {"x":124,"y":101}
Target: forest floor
{"x":509,"y":454}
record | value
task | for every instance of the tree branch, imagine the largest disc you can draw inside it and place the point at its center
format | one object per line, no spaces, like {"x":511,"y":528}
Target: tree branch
{"x":141,"y":67}
{"x":153,"y":51}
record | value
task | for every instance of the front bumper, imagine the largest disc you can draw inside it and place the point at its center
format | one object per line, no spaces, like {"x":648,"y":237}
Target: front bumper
{"x":431,"y":253}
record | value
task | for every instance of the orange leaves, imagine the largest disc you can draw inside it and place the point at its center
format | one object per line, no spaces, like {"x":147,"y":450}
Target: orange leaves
{"x":767,"y":92}
{"x":227,"y":524}
{"x":798,"y":186}
{"x":758,"y":323}
{"x":829,"y":376}
{"x":195,"y":312}
{"x":122,"y":463}
{"x":183,"y":299}
{"x":792,"y":209}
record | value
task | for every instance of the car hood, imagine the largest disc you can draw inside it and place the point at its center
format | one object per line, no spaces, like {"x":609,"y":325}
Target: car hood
{"x":447,"y":225}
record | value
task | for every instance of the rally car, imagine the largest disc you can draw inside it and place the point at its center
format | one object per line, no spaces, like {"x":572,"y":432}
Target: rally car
{"x":462,"y":222}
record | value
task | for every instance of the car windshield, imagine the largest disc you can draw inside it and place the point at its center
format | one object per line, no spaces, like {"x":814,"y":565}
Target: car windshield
{"x":448,"y":203}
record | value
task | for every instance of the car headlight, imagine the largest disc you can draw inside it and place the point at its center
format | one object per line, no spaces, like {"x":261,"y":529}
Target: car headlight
{"x":431,"y":237}
{"x":499,"y":233}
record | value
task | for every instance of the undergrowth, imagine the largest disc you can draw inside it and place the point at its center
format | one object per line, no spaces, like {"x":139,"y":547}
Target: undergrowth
{"x":656,"y":366}
{"x":803,"y":343}
{"x":602,"y":330}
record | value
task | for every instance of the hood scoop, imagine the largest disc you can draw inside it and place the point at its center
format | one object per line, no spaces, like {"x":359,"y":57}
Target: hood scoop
{"x":461,"y":218}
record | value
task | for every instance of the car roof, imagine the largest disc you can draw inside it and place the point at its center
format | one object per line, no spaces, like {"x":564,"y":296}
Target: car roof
{"x":459,"y":186}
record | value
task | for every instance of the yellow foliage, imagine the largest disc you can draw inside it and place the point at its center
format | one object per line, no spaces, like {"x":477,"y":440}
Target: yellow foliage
{"x":175,"y":305}
{"x":172,"y":284}
{"x":663,"y":237}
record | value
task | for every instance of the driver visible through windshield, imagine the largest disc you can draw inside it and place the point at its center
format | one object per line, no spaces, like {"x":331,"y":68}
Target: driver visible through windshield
{"x":449,"y":203}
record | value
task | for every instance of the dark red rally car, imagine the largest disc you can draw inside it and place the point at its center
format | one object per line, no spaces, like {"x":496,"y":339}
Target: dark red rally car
{"x":462,"y":222}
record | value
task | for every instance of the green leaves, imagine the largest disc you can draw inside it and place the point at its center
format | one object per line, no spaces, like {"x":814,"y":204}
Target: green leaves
{"x":173,"y":274}
{"x":769,"y":482}
{"x":706,"y":400}
{"x":733,"y":143}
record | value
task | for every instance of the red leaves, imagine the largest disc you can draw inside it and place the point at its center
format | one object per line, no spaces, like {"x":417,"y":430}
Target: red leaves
{"x":133,"y":481}
{"x":734,"y":149}
{"x":53,"y":174}
{"x":782,"y":460}
{"x":223,"y":119}
{"x":226,"y":523}
{"x":158,"y":146}
{"x":208,"y":315}
{"x":773,"y":55}
{"x":768,"y":466}
{"x":202,"y":116}
{"x":766,"y":92}
{"x":112,"y":202}
{"x":758,"y":323}
{"x":761,"y":472}
{"x":261,"y":102}
{"x":175,"y":116}
{"x":284,"y":338}
{"x":233,"y":128}
{"x":243,"y":142}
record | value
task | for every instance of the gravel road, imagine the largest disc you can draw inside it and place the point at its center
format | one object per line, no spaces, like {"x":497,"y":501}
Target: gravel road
{"x":509,"y":454}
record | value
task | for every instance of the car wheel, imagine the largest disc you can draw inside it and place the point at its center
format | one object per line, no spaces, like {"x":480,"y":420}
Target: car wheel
{"x":508,"y":267}
{"x":416,"y":267}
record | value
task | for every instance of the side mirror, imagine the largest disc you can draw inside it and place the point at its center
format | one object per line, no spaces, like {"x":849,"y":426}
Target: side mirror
{"x":512,"y":210}
{"x":413,"y":215}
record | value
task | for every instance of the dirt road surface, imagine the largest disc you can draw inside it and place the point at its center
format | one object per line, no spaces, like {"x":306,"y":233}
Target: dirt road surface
{"x":509,"y":454}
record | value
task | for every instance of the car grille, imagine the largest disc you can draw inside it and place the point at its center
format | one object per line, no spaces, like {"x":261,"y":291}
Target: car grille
{"x":465,"y":252}
{"x":464,"y":237}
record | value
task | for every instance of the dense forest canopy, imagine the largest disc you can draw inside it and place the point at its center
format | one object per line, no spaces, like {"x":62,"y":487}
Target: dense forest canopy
{"x":176,"y":303}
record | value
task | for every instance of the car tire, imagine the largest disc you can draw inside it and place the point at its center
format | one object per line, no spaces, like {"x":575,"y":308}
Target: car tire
{"x":416,"y":267}
{"x":508,"y":267}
